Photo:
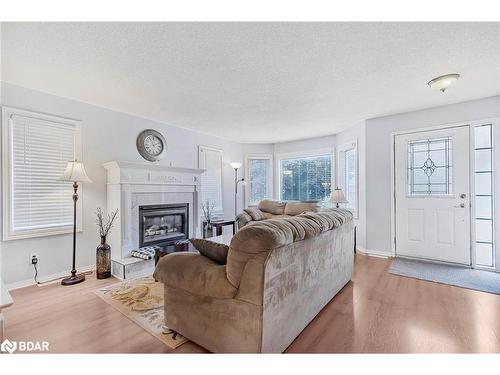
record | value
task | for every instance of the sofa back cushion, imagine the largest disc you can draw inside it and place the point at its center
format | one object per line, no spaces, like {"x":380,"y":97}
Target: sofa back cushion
{"x":295,"y":208}
{"x":254,"y":213}
{"x":273,"y":207}
{"x":258,"y":238}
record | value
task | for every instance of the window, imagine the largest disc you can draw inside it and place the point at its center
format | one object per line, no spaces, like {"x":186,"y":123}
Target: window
{"x":430,"y":167}
{"x":36,"y":149}
{"x":306,"y":178}
{"x":348,"y":174}
{"x":483,"y":173}
{"x":210,"y":159}
{"x":259,"y":178}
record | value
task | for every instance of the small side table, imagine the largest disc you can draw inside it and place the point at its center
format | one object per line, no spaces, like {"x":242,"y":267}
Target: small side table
{"x":174,"y":248}
{"x":218,"y":225}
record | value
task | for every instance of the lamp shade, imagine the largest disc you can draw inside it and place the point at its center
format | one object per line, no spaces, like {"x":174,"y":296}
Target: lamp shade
{"x":235,"y":165}
{"x":75,"y":172}
{"x":338,"y":196}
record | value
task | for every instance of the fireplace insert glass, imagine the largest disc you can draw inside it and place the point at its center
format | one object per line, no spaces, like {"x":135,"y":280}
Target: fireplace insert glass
{"x":163,"y":224}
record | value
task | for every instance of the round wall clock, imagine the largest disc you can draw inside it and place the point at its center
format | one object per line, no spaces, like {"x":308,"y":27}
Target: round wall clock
{"x":151,"y":145}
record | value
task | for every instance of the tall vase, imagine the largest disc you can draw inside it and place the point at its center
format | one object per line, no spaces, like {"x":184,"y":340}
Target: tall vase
{"x":207,"y":229}
{"x":103,"y":259}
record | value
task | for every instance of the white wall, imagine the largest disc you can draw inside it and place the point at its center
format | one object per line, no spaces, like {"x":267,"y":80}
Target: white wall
{"x":107,"y":135}
{"x":305,"y":145}
{"x":378,"y":158}
{"x":250,"y":148}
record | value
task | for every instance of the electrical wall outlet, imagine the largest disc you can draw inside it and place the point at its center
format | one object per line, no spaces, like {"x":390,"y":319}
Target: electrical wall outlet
{"x":34,"y":258}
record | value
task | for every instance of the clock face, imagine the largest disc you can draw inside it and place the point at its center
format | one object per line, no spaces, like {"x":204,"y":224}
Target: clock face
{"x":151,"y":145}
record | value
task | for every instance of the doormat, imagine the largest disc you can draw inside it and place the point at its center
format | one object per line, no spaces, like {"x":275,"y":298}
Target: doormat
{"x":464,"y":277}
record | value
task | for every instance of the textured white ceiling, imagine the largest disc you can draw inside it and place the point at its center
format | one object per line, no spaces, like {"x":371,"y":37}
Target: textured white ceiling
{"x":254,"y":82}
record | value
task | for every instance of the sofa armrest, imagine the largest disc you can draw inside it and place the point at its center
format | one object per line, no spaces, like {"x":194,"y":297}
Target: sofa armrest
{"x":242,"y":220}
{"x":194,"y":273}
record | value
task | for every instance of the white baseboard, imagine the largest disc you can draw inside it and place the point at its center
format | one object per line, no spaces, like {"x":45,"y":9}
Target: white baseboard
{"x":58,"y":276}
{"x":375,"y":253}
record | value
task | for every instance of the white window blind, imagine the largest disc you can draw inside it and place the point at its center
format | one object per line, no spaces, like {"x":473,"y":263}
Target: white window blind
{"x":348,"y":175}
{"x":210,"y":159}
{"x":259,"y":177}
{"x":39,"y":149}
{"x":306,"y":178}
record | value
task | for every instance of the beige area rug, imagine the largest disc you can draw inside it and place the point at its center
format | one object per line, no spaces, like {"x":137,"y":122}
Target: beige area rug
{"x":141,"y":300}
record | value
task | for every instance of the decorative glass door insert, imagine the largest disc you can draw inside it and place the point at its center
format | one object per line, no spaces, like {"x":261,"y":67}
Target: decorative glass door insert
{"x":430,"y":167}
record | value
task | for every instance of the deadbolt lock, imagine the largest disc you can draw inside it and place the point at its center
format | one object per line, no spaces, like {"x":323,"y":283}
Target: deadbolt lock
{"x":462,"y":195}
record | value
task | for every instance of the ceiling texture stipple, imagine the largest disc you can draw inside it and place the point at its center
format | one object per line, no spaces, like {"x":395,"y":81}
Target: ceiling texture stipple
{"x":255,"y":82}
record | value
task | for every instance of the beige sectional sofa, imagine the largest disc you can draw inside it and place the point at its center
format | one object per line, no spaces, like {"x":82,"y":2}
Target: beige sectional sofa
{"x":268,"y":209}
{"x":279,"y":274}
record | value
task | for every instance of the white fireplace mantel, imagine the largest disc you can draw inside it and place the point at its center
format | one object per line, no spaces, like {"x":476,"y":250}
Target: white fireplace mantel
{"x":150,"y":173}
{"x":130,"y":185}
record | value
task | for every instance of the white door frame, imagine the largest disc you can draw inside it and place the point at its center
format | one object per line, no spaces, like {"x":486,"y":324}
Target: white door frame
{"x":496,"y":184}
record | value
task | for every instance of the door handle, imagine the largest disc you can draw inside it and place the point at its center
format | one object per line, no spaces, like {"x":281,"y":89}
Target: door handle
{"x":461,"y":205}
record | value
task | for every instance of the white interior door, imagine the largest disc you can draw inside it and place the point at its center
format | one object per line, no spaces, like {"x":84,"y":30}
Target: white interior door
{"x":433,"y":195}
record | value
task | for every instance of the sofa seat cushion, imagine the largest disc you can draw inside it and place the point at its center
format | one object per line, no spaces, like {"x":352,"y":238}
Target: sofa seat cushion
{"x":272,"y":207}
{"x":297,"y":208}
{"x":213,"y":250}
{"x":194,"y":273}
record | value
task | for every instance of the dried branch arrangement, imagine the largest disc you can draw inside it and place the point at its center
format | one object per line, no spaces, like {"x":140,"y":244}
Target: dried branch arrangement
{"x":105,"y":223}
{"x":208,"y":209}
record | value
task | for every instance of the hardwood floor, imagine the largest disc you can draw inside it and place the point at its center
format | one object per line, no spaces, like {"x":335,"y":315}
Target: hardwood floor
{"x":375,"y":313}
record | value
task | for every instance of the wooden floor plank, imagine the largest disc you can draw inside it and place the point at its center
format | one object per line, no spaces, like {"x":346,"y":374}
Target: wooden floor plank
{"x":375,"y":313}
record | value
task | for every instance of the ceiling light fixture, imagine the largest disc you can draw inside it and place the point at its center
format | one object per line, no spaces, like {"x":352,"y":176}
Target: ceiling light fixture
{"x":443,"y":82}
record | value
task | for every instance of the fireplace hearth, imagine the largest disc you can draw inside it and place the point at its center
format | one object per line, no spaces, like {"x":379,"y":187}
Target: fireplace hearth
{"x":163,"y":224}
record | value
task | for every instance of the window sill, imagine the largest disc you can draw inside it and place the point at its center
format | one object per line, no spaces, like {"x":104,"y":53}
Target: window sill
{"x":35,"y":234}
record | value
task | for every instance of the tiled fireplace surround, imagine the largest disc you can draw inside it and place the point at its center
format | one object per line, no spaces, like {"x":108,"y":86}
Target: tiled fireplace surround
{"x":130,"y":185}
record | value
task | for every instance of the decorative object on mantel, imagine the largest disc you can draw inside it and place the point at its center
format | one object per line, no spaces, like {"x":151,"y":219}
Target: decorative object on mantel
{"x":151,"y":145}
{"x":75,"y":172}
{"x":208,"y":209}
{"x":141,"y":300}
{"x":103,"y":251}
{"x":236,"y":166}
{"x":338,"y":197}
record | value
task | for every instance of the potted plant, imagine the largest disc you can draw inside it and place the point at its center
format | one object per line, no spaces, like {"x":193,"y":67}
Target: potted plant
{"x":103,"y":251}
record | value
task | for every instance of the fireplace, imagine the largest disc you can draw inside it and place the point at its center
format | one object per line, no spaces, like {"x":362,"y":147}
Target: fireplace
{"x":163,"y":224}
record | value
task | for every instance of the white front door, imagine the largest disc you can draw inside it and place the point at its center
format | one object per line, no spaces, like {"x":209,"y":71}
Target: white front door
{"x":433,"y":195}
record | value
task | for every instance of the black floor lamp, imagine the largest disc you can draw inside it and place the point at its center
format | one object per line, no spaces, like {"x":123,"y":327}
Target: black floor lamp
{"x":75,"y":172}
{"x":236,"y":166}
